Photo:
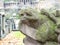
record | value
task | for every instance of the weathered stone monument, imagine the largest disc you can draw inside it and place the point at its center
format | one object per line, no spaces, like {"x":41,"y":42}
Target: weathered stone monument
{"x":40,"y":28}
{"x":5,"y":26}
{"x":2,"y":26}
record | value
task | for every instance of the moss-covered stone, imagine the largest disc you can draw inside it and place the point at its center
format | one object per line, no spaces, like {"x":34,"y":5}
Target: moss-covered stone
{"x":58,"y":22}
{"x":51,"y":43}
{"x":44,"y":24}
{"x":46,"y":31}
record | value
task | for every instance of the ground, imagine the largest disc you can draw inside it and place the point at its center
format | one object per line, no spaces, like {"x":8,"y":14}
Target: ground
{"x":14,"y":38}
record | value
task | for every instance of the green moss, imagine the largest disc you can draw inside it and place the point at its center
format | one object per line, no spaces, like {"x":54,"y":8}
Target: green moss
{"x":46,"y":31}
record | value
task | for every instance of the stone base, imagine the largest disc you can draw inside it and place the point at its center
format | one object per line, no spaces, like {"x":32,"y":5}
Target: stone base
{"x":29,"y":41}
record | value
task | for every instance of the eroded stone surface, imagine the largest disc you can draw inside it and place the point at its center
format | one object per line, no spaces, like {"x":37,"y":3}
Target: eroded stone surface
{"x":51,"y":43}
{"x":59,"y":38}
{"x":30,"y":41}
{"x":58,"y":30}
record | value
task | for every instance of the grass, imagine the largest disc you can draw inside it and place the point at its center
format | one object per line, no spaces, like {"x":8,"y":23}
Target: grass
{"x":18,"y":34}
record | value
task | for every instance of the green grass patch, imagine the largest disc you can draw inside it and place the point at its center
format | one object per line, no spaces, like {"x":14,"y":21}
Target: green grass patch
{"x":18,"y":34}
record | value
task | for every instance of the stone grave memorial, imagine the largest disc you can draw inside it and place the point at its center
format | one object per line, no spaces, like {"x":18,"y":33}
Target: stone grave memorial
{"x":2,"y":26}
{"x":5,"y":26}
{"x":40,"y":28}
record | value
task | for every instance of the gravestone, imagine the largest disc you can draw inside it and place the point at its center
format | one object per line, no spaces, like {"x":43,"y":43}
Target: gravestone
{"x":2,"y":26}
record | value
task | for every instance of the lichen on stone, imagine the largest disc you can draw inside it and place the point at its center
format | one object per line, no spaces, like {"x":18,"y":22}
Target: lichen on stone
{"x":46,"y":31}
